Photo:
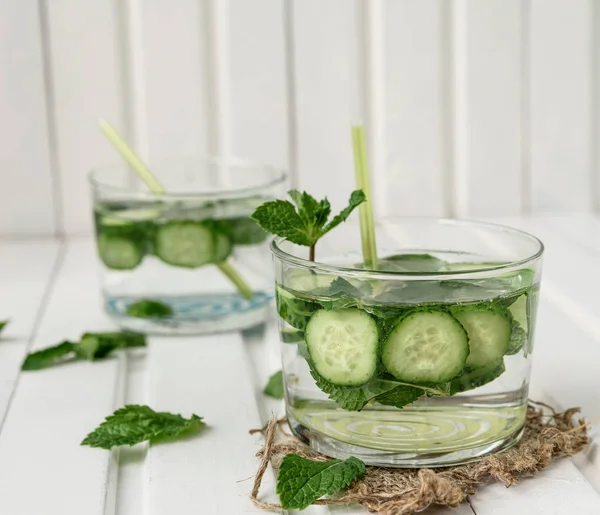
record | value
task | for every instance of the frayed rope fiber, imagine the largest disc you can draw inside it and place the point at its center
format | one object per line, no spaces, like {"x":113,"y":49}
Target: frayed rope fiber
{"x":393,"y":491}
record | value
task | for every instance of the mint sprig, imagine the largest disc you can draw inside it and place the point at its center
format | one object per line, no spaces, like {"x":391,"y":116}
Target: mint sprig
{"x":93,"y":346}
{"x":274,"y":387}
{"x":133,"y":424}
{"x":301,"y":481}
{"x":305,"y":222}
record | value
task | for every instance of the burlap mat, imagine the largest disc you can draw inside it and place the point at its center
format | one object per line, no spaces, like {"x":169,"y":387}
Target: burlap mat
{"x":391,"y":491}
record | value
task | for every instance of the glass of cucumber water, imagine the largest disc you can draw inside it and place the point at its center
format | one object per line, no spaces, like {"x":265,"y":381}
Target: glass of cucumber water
{"x":188,"y":261}
{"x":421,"y":361}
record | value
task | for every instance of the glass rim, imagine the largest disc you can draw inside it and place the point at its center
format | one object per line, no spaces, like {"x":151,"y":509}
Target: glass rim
{"x":280,"y":176}
{"x":277,"y":251}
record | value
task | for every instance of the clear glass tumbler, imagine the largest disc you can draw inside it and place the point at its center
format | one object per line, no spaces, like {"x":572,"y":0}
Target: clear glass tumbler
{"x":191,"y":260}
{"x":421,"y":362}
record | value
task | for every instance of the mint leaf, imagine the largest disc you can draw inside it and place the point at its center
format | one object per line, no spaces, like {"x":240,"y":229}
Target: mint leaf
{"x":398,"y":396}
{"x":301,"y":481}
{"x":313,"y":213}
{"x":50,"y":356}
{"x":148,"y":308}
{"x":134,"y":424}
{"x":518,"y":338}
{"x":3,"y":324}
{"x":350,"y":398}
{"x":100,"y":345}
{"x":274,"y":387}
{"x":280,"y":218}
{"x":357,"y":197}
{"x":305,"y":222}
{"x":342,"y":294}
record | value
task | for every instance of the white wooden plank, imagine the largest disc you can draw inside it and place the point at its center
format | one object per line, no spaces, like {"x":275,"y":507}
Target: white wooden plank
{"x":131,"y":465}
{"x":492,"y":90}
{"x":26,"y":203}
{"x":558,"y":490}
{"x":87,"y":83}
{"x":327,"y":52}
{"x":25,"y":275}
{"x":561,"y":105}
{"x":256,"y":81}
{"x":414,"y":96}
{"x":174,"y":50}
{"x":207,"y":376}
{"x":54,"y":409}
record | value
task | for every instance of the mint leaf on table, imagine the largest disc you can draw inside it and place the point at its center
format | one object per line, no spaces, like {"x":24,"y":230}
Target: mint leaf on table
{"x":99,"y":345}
{"x":92,"y":346}
{"x":301,"y":481}
{"x":306,"y":221}
{"x":3,"y":324}
{"x":49,"y":356}
{"x":274,"y":387}
{"x":148,"y":308}
{"x":135,"y":423}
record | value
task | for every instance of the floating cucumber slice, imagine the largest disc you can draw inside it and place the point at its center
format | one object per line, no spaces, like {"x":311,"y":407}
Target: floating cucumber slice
{"x":343,"y":346}
{"x":119,"y":253}
{"x":426,"y":347}
{"x":489,"y":331}
{"x":185,"y":243}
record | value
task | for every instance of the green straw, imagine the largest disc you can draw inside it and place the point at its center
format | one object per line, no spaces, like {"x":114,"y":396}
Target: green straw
{"x":144,"y":173}
{"x":365,"y":210}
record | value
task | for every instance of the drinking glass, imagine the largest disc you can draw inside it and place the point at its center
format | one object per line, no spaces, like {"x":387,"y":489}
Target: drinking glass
{"x":190,"y":260}
{"x":422,"y":361}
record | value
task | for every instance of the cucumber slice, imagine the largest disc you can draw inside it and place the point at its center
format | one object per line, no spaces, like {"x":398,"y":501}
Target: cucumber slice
{"x":222,"y":247}
{"x":119,"y":253}
{"x":426,"y":347}
{"x":476,"y":377}
{"x":343,"y":346}
{"x":245,"y":231}
{"x":185,"y":243}
{"x":489,"y":331}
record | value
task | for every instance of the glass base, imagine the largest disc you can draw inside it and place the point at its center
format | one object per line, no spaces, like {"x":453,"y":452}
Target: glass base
{"x":193,"y":314}
{"x":418,"y":435}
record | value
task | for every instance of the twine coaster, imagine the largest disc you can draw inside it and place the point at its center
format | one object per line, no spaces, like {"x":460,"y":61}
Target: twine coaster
{"x":393,"y":491}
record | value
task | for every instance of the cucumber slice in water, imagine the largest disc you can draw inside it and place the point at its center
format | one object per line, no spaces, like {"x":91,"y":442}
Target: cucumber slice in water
{"x":489,"y":331}
{"x":426,"y":347}
{"x":343,"y":346}
{"x":222,"y":247}
{"x":119,"y":253}
{"x":186,"y":244}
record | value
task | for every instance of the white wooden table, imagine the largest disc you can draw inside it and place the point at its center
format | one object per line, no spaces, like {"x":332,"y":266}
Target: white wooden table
{"x":49,"y":289}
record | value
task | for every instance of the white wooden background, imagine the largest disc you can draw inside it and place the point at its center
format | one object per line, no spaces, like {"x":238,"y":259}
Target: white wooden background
{"x":474,"y":107}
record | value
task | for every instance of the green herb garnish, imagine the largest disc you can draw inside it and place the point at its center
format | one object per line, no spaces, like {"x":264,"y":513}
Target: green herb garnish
{"x":306,"y":222}
{"x":274,"y":387}
{"x":148,"y":308}
{"x":133,"y":424}
{"x":92,"y":346}
{"x":3,"y":324}
{"x":301,"y":481}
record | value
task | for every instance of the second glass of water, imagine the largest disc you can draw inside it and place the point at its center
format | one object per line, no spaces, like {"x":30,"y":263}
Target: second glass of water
{"x":191,"y":260}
